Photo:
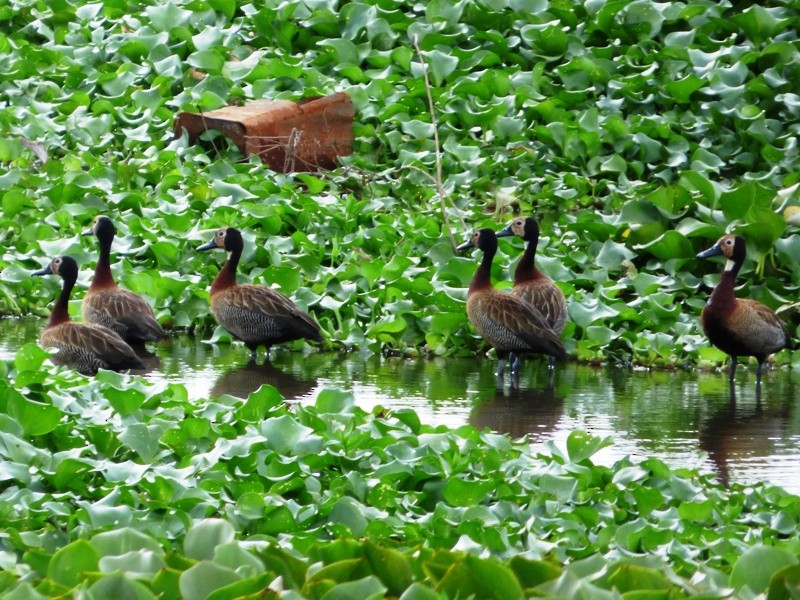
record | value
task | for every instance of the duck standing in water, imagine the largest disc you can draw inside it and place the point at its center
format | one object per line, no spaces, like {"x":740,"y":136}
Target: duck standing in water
{"x":738,"y":326}
{"x":85,"y":347}
{"x":532,"y":285}
{"x":257,"y":315}
{"x":507,"y":322}
{"x":108,"y":304}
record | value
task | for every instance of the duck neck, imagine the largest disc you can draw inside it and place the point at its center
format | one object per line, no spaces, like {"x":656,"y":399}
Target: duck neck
{"x":60,"y":312}
{"x":526,"y":267}
{"x":102,"y":272}
{"x":724,"y":294}
{"x":227,"y":274}
{"x":483,"y":276}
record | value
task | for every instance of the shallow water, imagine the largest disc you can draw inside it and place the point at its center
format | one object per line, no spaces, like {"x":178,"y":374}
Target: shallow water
{"x":685,"y":419}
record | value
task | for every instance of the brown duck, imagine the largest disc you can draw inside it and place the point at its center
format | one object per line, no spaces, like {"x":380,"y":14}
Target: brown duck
{"x":257,"y":315}
{"x":85,"y":347}
{"x":507,"y":322}
{"x":532,"y":285}
{"x":738,"y":326}
{"x":108,"y":304}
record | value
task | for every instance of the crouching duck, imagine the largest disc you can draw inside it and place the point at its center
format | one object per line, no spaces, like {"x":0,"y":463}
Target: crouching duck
{"x":532,"y":285}
{"x":85,"y":347}
{"x":107,"y":304}
{"x":509,"y":323}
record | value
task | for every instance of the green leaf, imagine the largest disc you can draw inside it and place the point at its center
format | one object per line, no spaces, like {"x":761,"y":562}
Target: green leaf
{"x":35,"y":418}
{"x":368,"y":588}
{"x":460,"y":492}
{"x":30,"y":357}
{"x":284,"y":433}
{"x":756,"y":567}
{"x":70,"y":564}
{"x":201,"y":580}
{"x":203,"y":538}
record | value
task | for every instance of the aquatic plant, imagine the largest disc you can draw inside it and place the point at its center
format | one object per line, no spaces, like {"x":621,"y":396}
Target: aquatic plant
{"x":638,"y":132}
{"x":116,"y":486}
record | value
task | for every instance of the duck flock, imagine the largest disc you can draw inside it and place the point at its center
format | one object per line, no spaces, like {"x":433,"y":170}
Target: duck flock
{"x":529,"y":320}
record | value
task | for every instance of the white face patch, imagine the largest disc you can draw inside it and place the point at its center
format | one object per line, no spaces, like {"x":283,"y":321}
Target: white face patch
{"x":729,"y":265}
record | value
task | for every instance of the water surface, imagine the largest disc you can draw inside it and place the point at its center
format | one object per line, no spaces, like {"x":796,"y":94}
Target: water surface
{"x":685,"y":419}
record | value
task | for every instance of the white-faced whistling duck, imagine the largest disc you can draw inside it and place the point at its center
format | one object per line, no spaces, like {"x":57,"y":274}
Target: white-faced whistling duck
{"x":508,"y":323}
{"x":738,"y":326}
{"x":257,"y":315}
{"x":108,"y":304}
{"x":532,"y":285}
{"x":85,"y":347}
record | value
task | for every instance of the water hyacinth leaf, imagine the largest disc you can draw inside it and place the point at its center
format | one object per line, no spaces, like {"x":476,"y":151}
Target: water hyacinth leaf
{"x":368,"y":588}
{"x":390,"y":566}
{"x":419,"y":591}
{"x":70,"y":564}
{"x":349,"y":512}
{"x":629,"y":578}
{"x":247,"y":588}
{"x":36,"y":418}
{"x":284,"y":433}
{"x":201,"y":580}
{"x":30,"y":357}
{"x":531,"y":573}
{"x":335,"y":402}
{"x":460,"y":492}
{"x":143,"y":563}
{"x":119,"y":587}
{"x":582,"y":445}
{"x":756,"y":567}
{"x":485,"y":578}
{"x":671,"y":244}
{"x":613,"y":254}
{"x":203,"y":538}
{"x":122,"y":541}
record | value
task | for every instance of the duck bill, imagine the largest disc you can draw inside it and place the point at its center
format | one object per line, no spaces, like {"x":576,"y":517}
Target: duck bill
{"x":209,"y":246}
{"x":46,"y":271}
{"x":465,"y":245}
{"x":715,"y":250}
{"x":87,"y":232}
{"x":505,"y":232}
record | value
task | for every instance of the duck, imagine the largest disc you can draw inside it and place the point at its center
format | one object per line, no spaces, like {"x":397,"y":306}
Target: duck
{"x":509,"y":323}
{"x":107,"y":304}
{"x":739,"y":326}
{"x":254,"y":314}
{"x":84,"y":347}
{"x":532,"y":285}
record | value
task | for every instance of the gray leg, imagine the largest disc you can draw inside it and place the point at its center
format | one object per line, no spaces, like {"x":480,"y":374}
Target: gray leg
{"x":515,"y":361}
{"x":734,"y":362}
{"x":551,"y":362}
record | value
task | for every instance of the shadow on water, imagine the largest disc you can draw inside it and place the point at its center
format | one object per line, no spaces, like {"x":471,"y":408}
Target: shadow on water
{"x":684,"y":419}
{"x":241,"y":381}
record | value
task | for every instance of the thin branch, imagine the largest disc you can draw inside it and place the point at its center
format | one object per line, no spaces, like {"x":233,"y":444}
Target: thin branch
{"x":438,"y":177}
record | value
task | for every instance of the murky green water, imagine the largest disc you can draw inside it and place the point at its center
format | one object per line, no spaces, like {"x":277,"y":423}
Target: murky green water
{"x":686,"y":419}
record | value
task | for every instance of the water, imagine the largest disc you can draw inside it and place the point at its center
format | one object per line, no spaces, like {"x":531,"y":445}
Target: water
{"x":685,"y":419}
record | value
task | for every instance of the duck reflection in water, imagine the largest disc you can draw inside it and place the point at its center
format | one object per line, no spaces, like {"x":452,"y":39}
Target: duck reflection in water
{"x":519,"y":411}
{"x":736,"y":432}
{"x":243,"y":380}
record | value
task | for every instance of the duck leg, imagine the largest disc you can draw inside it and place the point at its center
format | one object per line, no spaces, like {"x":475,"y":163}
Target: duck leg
{"x":515,"y":361}
{"x":501,"y":364}
{"x":551,"y":362}
{"x":732,"y":374}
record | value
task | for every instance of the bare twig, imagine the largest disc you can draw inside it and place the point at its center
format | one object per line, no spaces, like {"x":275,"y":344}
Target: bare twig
{"x":438,"y":177}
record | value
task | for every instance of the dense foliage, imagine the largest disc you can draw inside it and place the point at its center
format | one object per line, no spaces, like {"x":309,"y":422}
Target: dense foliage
{"x":637,"y":131}
{"x":119,"y":488}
